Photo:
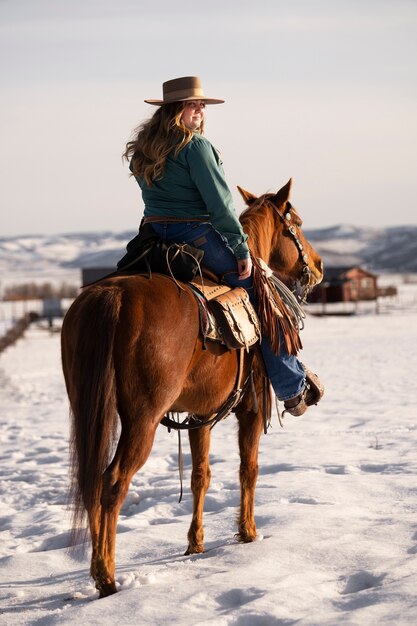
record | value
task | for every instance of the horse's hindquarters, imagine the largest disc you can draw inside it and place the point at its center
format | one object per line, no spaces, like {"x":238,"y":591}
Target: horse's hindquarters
{"x":130,"y":351}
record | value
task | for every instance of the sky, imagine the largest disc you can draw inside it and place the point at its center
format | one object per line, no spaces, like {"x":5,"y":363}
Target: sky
{"x":323,"y":92}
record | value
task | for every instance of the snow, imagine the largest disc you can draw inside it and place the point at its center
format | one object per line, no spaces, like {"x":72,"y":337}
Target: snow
{"x":341,"y":246}
{"x":46,"y":256}
{"x":336,"y":501}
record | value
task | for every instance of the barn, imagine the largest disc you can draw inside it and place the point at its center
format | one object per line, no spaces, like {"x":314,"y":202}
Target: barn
{"x":346,"y":284}
{"x":92,"y":274}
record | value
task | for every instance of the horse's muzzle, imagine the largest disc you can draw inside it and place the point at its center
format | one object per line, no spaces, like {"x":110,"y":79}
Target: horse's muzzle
{"x":316,"y":274}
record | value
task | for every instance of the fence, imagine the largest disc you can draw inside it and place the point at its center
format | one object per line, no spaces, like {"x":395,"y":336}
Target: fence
{"x":16,"y":330}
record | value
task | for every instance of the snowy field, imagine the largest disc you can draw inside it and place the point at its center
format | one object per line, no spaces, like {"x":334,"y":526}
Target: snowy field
{"x":336,"y":504}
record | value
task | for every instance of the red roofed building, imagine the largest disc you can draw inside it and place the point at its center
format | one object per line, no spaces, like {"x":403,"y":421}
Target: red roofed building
{"x":345,"y":284}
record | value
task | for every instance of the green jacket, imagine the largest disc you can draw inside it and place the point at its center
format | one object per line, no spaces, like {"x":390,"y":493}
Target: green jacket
{"x":194,"y":186}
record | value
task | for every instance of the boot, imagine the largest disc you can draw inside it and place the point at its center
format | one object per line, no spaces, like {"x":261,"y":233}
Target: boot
{"x":311,"y":394}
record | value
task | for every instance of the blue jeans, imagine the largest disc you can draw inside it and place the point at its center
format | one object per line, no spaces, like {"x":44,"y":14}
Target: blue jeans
{"x":286,"y":373}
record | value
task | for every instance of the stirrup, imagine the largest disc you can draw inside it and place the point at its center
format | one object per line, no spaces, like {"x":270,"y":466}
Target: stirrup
{"x":315,"y":389}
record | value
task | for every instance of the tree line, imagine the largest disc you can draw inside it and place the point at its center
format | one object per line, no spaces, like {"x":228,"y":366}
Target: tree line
{"x":39,"y":291}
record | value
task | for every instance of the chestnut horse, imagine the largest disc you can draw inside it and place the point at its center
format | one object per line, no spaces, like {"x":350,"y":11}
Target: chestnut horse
{"x":132,"y":350}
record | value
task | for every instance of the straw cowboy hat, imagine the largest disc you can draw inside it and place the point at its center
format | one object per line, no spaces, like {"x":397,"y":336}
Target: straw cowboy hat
{"x":181,"y":89}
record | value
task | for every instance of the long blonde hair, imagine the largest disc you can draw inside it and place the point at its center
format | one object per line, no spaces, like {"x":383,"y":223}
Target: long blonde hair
{"x":155,"y":139}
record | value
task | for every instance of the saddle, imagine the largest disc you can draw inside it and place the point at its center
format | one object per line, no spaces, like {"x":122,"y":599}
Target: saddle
{"x":147,"y":253}
{"x":226,"y":314}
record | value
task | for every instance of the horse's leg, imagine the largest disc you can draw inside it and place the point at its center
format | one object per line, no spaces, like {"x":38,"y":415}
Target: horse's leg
{"x":200,"y":481}
{"x":250,"y":429}
{"x":133,"y":450}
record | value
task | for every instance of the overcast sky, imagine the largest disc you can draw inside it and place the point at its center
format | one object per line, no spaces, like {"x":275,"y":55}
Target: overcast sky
{"x":321,"y":91}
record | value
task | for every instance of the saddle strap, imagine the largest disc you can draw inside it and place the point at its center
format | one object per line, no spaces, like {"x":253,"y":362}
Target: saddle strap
{"x":192,"y":421}
{"x":239,"y":391}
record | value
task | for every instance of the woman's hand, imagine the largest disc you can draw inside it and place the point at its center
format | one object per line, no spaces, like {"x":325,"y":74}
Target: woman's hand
{"x":244,"y":267}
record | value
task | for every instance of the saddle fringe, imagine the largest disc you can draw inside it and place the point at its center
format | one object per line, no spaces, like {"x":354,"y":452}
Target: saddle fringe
{"x":276,"y":317}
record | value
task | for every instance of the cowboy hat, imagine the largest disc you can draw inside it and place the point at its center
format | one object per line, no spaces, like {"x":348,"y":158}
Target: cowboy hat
{"x":181,"y":89}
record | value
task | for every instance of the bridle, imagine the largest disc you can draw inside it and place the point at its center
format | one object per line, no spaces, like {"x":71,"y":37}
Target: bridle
{"x":292,"y":229}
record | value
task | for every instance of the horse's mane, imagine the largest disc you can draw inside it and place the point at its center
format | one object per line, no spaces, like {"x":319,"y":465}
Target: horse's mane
{"x":258,"y":222}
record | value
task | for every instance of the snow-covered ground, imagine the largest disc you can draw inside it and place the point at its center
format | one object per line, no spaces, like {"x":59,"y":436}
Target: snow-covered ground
{"x":336,"y":504}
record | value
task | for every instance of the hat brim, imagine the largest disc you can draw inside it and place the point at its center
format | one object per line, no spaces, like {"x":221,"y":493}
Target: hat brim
{"x":205,"y":100}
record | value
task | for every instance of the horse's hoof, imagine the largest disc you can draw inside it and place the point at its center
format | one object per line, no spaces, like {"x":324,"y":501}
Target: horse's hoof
{"x":106,"y":589}
{"x":197,"y":549}
{"x":245,"y":537}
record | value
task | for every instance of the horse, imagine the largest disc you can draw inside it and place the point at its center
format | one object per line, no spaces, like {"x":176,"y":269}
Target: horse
{"x":131,"y":352}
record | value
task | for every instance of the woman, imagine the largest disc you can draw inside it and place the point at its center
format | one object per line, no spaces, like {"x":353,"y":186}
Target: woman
{"x":187,"y":199}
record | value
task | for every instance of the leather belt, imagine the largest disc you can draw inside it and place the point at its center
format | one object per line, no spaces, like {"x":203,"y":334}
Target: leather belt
{"x":155,"y":219}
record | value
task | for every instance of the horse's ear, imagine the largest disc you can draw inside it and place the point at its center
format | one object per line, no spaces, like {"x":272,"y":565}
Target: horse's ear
{"x":283,"y":194}
{"x":248,"y":197}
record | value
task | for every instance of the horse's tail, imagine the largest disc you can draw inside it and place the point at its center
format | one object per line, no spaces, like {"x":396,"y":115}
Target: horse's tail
{"x":88,"y":335}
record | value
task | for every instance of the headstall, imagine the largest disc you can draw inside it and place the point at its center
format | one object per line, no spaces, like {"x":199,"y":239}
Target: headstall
{"x":292,"y":229}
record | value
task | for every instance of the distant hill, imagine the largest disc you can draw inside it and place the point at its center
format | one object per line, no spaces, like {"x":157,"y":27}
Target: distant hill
{"x":391,"y":249}
{"x":385,"y":249}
